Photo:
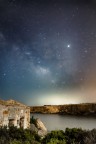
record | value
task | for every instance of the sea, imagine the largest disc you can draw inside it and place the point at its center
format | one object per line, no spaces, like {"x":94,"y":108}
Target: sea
{"x":61,"y":122}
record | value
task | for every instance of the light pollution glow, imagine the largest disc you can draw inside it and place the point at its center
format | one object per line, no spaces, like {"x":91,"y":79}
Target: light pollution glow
{"x":67,"y":97}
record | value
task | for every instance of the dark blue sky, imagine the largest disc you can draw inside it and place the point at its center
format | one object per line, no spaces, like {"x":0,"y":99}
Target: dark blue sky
{"x":48,"y":51}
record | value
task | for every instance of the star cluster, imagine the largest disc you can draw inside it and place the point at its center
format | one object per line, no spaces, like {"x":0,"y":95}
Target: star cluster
{"x":46,"y":46}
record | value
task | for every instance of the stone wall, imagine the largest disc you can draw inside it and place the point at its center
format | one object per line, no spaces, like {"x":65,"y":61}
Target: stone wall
{"x":12,"y":113}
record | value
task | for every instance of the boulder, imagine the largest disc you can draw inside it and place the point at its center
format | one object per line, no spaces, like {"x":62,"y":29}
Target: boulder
{"x":33,"y":128}
{"x":39,"y":128}
{"x":42,"y":131}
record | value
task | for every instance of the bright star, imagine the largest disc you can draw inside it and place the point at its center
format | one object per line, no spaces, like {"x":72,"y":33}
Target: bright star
{"x":68,"y":46}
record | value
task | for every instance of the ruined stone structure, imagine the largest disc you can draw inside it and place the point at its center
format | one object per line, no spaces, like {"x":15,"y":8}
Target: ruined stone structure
{"x":14,"y":113}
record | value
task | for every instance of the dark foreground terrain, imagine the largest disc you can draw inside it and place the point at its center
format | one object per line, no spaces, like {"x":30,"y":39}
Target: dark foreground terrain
{"x":69,"y":136}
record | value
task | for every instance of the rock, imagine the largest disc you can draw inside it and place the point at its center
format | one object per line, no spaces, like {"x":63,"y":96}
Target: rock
{"x":42,"y":131}
{"x":33,"y":128}
{"x":40,"y":125}
{"x":39,"y":128}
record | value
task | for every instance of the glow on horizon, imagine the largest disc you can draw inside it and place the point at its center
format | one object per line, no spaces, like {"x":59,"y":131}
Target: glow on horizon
{"x":60,"y":98}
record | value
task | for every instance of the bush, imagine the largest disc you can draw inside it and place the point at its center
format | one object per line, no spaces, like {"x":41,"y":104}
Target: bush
{"x":33,"y":121}
{"x":15,"y":135}
{"x":26,"y":142}
{"x":74,"y":135}
{"x":90,"y":137}
{"x":54,"y":136}
{"x":26,"y":136}
{"x":15,"y":142}
{"x":56,"y":141}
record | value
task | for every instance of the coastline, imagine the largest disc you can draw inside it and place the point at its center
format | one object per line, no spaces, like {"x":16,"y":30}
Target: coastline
{"x":86,"y":109}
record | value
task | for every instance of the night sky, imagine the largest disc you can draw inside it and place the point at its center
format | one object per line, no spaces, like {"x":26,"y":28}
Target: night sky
{"x":48,"y":51}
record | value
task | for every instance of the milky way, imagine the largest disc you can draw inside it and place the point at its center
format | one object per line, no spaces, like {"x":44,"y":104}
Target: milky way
{"x":48,"y":51}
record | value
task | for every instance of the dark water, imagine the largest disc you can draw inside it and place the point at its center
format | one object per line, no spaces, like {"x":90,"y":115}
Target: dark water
{"x":60,"y":122}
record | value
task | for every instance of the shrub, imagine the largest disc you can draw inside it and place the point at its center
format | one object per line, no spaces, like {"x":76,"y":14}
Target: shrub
{"x":33,"y":121}
{"x":15,"y":135}
{"x":74,"y":135}
{"x":15,"y":142}
{"x":56,"y":141}
{"x":90,"y":137}
{"x":54,"y":135}
{"x":26,"y":136}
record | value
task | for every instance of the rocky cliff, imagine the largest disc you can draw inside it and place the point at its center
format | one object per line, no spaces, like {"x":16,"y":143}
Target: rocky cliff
{"x":74,"y":109}
{"x":12,"y":103}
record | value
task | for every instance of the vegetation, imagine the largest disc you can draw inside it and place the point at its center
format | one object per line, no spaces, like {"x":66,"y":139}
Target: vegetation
{"x":69,"y":136}
{"x":15,"y":135}
{"x":54,"y":137}
{"x":33,"y":121}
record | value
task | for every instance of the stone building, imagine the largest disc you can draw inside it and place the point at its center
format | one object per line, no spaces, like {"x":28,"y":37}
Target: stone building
{"x":14,"y":113}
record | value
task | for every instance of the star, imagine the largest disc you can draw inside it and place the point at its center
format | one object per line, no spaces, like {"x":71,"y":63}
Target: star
{"x":39,"y":62}
{"x":27,"y":53}
{"x":68,"y":46}
{"x":4,"y":74}
{"x":81,"y":79}
{"x":86,"y":51}
{"x":53,"y":81}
